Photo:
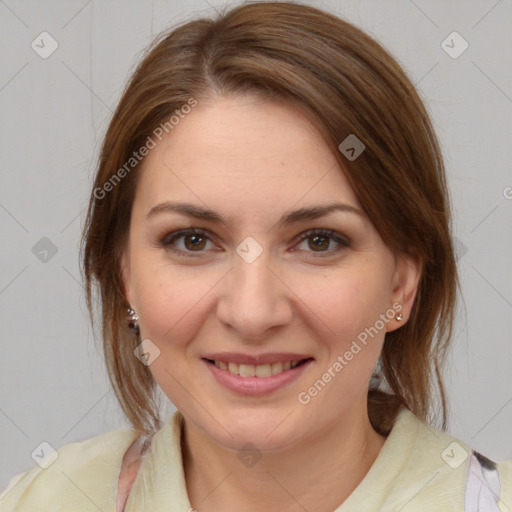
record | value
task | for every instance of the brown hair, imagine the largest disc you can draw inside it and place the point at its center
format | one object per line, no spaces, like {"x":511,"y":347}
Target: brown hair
{"x":347,"y":84}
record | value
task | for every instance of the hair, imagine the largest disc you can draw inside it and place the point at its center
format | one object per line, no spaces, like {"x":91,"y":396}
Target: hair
{"x":346,"y":83}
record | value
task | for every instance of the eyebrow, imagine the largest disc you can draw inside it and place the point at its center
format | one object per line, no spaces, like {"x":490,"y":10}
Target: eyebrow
{"x":289,"y":218}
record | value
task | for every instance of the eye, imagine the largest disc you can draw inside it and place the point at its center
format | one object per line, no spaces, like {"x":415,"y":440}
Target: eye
{"x":320,"y":240}
{"x":194,"y":240}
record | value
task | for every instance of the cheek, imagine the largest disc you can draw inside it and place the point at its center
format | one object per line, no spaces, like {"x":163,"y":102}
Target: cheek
{"x":345,"y":302}
{"x":348,"y":306}
{"x":170,"y":301}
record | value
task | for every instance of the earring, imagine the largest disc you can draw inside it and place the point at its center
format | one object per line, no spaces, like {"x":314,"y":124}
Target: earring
{"x":133,"y":320}
{"x":399,"y":317}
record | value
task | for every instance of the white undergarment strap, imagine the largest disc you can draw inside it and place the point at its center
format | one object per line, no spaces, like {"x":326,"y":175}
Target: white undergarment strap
{"x":483,"y":488}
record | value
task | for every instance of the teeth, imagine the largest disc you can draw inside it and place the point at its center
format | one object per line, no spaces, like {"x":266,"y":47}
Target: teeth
{"x":246,"y":370}
{"x":260,"y":370}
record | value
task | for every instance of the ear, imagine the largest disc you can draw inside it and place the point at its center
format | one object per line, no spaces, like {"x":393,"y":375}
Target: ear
{"x":405,"y":282}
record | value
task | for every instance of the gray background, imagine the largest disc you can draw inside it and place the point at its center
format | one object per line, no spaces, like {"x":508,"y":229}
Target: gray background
{"x":54,"y":112}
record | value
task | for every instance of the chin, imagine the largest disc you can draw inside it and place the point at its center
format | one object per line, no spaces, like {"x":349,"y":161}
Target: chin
{"x":264,"y":429}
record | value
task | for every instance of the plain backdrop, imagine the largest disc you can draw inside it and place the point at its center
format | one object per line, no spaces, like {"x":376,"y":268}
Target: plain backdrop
{"x":54,"y":112}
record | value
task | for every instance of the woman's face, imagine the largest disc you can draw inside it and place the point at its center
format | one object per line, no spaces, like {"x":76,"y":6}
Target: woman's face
{"x":259,"y":284}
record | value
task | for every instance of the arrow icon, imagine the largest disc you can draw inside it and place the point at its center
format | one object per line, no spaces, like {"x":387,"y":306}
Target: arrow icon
{"x":249,"y":455}
{"x":44,"y":455}
{"x":454,"y":455}
{"x":351,"y":147}
{"x":454,"y":45}
{"x":44,"y":45}
{"x":249,"y":249}
{"x":147,"y":352}
{"x":44,"y":250}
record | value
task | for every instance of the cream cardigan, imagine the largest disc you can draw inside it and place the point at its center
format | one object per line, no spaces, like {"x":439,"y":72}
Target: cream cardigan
{"x":418,"y":469}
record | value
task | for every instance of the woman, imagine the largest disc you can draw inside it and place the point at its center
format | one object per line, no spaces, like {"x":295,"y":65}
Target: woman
{"x":269,"y":231}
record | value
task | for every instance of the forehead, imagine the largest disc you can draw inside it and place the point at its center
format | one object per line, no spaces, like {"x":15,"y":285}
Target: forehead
{"x":244,"y":152}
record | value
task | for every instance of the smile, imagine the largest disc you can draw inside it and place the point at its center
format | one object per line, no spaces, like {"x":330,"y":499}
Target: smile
{"x":260,"y":370}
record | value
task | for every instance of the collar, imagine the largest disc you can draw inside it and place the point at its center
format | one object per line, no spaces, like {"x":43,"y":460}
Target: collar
{"x":408,"y":469}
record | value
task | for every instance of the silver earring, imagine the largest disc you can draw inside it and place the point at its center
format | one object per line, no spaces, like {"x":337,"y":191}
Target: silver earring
{"x":399,"y":317}
{"x":133,"y":320}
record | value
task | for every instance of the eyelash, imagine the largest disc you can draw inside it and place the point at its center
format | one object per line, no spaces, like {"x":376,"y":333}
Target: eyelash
{"x":171,"y":238}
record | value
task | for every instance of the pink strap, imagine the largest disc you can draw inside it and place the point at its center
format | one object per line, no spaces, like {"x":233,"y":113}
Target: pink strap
{"x":128,"y":473}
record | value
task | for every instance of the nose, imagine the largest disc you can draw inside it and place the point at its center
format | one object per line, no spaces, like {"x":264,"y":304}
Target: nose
{"x":254,"y":300}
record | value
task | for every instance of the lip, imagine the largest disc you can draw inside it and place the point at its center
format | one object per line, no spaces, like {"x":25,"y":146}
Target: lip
{"x":267,"y":358}
{"x":254,"y":386}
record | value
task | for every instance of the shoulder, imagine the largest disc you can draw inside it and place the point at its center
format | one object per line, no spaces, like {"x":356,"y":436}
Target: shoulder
{"x":449,"y":471}
{"x":505,"y":478}
{"x":78,"y":476}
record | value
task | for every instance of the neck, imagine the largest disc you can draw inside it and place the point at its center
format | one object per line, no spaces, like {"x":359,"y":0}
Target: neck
{"x":332,"y":463}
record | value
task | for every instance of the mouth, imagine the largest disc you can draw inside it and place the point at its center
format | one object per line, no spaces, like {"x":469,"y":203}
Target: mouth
{"x":263,"y":371}
{"x":246,"y":379}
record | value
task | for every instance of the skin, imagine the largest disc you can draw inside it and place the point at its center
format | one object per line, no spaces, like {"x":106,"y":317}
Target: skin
{"x":252,"y":161}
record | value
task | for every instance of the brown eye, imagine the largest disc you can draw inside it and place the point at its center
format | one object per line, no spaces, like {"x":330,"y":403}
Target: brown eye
{"x":319,"y":241}
{"x":194,"y":241}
